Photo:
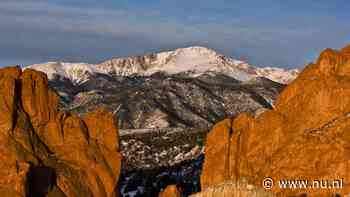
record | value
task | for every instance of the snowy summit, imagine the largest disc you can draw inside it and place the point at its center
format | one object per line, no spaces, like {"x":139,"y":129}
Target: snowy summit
{"x":193,"y":61}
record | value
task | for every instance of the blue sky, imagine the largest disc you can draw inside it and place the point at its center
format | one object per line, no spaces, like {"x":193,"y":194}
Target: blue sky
{"x":288,"y":33}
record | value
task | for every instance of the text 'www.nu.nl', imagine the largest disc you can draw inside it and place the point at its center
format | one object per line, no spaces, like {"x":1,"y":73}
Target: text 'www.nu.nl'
{"x":269,"y":183}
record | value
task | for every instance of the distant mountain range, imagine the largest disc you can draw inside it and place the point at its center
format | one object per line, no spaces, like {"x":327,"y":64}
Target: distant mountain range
{"x":191,"y":61}
{"x":165,"y":104}
{"x":188,"y":87}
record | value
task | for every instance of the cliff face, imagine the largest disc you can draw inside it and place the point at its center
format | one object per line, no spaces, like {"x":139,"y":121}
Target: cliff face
{"x":48,"y":152}
{"x":306,"y":136}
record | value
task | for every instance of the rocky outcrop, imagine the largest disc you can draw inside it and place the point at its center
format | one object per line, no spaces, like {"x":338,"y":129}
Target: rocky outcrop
{"x":306,"y":136}
{"x":170,"y":191}
{"x":49,"y":152}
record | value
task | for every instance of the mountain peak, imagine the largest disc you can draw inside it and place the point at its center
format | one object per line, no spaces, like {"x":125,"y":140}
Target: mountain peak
{"x":197,"y":49}
{"x":193,"y":61}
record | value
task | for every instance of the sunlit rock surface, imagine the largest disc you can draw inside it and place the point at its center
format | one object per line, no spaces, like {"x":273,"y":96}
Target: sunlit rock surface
{"x":306,"y":135}
{"x":48,"y":152}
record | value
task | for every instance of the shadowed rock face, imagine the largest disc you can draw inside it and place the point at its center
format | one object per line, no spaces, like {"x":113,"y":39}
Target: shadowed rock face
{"x":306,"y":136}
{"x":48,"y":152}
{"x":162,"y":101}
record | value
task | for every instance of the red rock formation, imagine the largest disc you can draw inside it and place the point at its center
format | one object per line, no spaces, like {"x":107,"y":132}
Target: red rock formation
{"x":170,"y":191}
{"x":233,"y":189}
{"x":45,"y":151}
{"x":305,"y":137}
{"x":220,"y":151}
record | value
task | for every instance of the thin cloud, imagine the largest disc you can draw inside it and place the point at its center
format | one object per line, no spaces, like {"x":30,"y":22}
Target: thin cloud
{"x":42,"y":31}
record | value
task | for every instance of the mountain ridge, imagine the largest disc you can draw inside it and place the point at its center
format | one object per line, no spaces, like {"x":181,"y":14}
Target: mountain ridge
{"x":193,"y":61}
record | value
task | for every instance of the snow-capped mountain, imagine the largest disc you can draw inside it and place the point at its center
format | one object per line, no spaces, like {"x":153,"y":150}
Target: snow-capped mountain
{"x":193,"y":61}
{"x":165,"y":104}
